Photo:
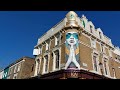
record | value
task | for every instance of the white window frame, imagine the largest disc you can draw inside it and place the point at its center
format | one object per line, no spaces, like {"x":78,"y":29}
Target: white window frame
{"x":15,"y":68}
{"x":95,"y":53}
{"x":19,"y":67}
{"x":38,"y":66}
{"x":44,"y":63}
{"x":15,"y":75}
{"x":102,"y":45}
{"x":91,"y":29}
{"x":39,"y":49}
{"x":10,"y":71}
{"x":93,"y":43}
{"x":100,"y":35}
{"x":57,"y":39}
{"x":107,"y":66}
{"x":114,"y":73}
{"x":110,"y":53}
{"x":47,"y":46}
{"x":54,"y":60}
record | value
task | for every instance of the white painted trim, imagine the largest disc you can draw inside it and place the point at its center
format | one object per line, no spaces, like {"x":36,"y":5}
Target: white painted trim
{"x":107,"y":65}
{"x":110,"y":52}
{"x":56,"y":40}
{"x":95,"y":53}
{"x":93,"y":41}
{"x":9,"y":72}
{"x":95,"y":35}
{"x":43,"y":66}
{"x":114,"y":73}
{"x":46,"y":46}
{"x":59,"y":58}
{"x":53,"y":68}
{"x":95,"y":72}
{"x":45,"y":63}
{"x":36,"y":66}
{"x":81,"y":68}
{"x":117,"y":60}
{"x":54,"y":58}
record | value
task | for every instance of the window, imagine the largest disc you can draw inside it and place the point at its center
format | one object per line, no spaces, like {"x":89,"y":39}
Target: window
{"x":83,"y":23}
{"x":110,"y":53}
{"x":38,"y":66}
{"x":15,"y":68}
{"x":102,"y":48}
{"x":93,"y":43}
{"x":19,"y":66}
{"x":95,"y":64}
{"x":100,"y":35}
{"x":47,"y":46}
{"x":10,"y":70}
{"x":40,"y":50}
{"x":46,"y":63}
{"x":118,"y":58}
{"x":32,"y":67}
{"x":106,"y":66}
{"x":57,"y":59}
{"x":114,"y":73}
{"x":91,"y":28}
{"x":15,"y":76}
{"x":57,"y":39}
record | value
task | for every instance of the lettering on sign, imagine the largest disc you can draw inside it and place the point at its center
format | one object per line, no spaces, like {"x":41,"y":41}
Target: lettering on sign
{"x":74,"y":74}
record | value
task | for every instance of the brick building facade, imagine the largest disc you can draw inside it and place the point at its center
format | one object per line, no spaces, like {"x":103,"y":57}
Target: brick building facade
{"x":22,"y":68}
{"x":74,"y":48}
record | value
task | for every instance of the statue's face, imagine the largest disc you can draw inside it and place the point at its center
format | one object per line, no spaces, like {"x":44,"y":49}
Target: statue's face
{"x":72,"y":38}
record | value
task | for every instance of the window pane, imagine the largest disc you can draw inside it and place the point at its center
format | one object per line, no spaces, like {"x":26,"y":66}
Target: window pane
{"x":38,"y":62}
{"x":19,"y":66}
{"x":105,"y":67}
{"x":46,"y":64}
{"x":95,"y":63}
{"x":57,"y":59}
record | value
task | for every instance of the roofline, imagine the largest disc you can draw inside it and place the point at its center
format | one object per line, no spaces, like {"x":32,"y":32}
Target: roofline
{"x":18,"y":60}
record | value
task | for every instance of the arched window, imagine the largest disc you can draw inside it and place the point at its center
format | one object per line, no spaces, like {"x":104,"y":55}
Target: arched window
{"x":57,"y":59}
{"x":32,"y":67}
{"x":114,"y":73}
{"x":46,"y":63}
{"x":95,"y":63}
{"x":106,"y":68}
{"x":38,"y":66}
{"x":91,"y":29}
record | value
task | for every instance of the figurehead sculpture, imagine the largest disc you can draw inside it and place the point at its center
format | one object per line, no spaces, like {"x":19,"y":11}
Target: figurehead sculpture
{"x":71,"y":19}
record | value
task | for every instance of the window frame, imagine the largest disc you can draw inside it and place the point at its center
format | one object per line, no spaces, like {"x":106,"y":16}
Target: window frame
{"x":93,"y":43}
{"x":107,"y":66}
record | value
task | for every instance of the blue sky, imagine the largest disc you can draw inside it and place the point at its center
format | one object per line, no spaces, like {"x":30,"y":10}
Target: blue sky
{"x":20,"y":30}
